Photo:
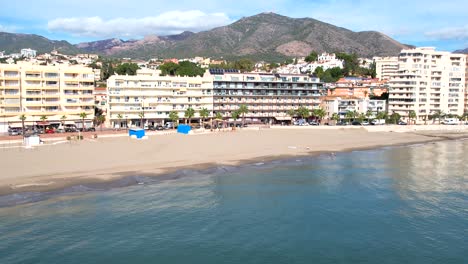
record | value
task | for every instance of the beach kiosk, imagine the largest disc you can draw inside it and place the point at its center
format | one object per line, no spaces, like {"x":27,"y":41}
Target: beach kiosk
{"x":139,"y":133}
{"x":183,"y":129}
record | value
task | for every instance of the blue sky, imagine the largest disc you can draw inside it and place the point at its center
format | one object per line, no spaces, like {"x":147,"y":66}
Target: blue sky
{"x":443,"y":24}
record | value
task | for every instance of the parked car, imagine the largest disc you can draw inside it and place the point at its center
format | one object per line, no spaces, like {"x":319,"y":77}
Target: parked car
{"x":356,"y":123}
{"x":70,"y":128}
{"x":15,"y":131}
{"x":376,"y":122}
{"x":450,"y":121}
{"x":313,"y":123}
{"x":402,"y":123}
{"x":87,"y":129}
{"x":341,"y":123}
{"x":49,"y":130}
{"x":365,"y":123}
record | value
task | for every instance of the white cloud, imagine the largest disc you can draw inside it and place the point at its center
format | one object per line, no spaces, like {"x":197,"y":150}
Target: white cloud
{"x":172,"y":22}
{"x":450,"y":33}
{"x":10,"y":29}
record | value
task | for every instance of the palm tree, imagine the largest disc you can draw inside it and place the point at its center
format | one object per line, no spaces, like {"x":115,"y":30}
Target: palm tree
{"x":119,"y":117}
{"x":303,"y":112}
{"x":218,"y":117}
{"x":22,"y":118}
{"x":101,"y":119}
{"x":437,"y":115}
{"x":242,"y":111}
{"x":141,"y":115}
{"x":412,"y":115}
{"x":83,"y":115}
{"x":361,"y":117}
{"x":174,"y":116}
{"x":62,"y":119}
{"x":235,"y":115}
{"x":369,"y":114}
{"x":204,"y":113}
{"x":335,"y":117}
{"x":292,"y":113}
{"x":350,"y":115}
{"x":189,"y":113}
{"x":320,"y":113}
{"x":43,"y":119}
{"x":365,"y":94}
{"x":381,"y":115}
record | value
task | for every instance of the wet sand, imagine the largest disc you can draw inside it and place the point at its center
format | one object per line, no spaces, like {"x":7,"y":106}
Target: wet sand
{"x":103,"y":160}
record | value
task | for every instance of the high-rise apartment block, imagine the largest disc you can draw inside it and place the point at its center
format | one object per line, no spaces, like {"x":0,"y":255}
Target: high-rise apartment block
{"x":385,"y":67}
{"x":51,"y":91}
{"x":427,"y":82}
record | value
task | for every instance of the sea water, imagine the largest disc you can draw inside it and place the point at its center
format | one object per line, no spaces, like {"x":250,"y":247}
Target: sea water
{"x":390,"y":205}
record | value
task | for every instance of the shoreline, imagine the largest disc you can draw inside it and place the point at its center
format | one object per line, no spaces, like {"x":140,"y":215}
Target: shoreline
{"x":124,"y":175}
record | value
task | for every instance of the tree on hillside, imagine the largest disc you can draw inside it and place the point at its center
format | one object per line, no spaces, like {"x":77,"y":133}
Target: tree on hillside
{"x":311,"y":57}
{"x":169,"y":68}
{"x":187,"y":68}
{"x":127,"y":69}
{"x":244,"y":65}
{"x":184,"y":68}
{"x":351,"y":63}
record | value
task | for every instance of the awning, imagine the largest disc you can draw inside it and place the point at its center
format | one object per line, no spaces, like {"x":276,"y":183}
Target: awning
{"x":283,"y":118}
{"x":69,"y":122}
{"x":15,"y":125}
{"x":42,"y":123}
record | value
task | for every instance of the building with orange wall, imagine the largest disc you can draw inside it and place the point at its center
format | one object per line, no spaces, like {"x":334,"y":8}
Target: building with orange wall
{"x":358,"y":88}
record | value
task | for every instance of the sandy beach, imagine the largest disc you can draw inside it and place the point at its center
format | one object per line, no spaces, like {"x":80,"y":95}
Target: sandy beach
{"x":54,"y":166}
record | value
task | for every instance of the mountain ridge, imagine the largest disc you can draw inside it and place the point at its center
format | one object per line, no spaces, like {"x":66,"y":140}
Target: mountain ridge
{"x":265,"y":36}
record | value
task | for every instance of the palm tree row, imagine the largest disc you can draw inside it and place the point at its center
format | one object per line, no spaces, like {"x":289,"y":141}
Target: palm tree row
{"x":304,"y":113}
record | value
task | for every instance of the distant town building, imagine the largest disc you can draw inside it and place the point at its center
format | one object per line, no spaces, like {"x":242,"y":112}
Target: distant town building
{"x":341,"y":105}
{"x":385,"y":67}
{"x":53,"y":91}
{"x":324,"y":60}
{"x":427,"y":82}
{"x":359,"y":88}
{"x":28,"y":53}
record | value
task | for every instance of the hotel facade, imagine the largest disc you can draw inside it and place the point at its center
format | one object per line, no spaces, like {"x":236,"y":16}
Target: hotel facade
{"x":51,"y":91}
{"x":268,"y":97}
{"x":428,"y":81}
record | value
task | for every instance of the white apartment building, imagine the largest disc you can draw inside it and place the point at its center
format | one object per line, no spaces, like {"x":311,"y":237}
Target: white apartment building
{"x":28,"y":53}
{"x":385,"y":67}
{"x":343,"y":105}
{"x":324,"y":60}
{"x":149,"y":97}
{"x":51,"y":91}
{"x":428,"y":81}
